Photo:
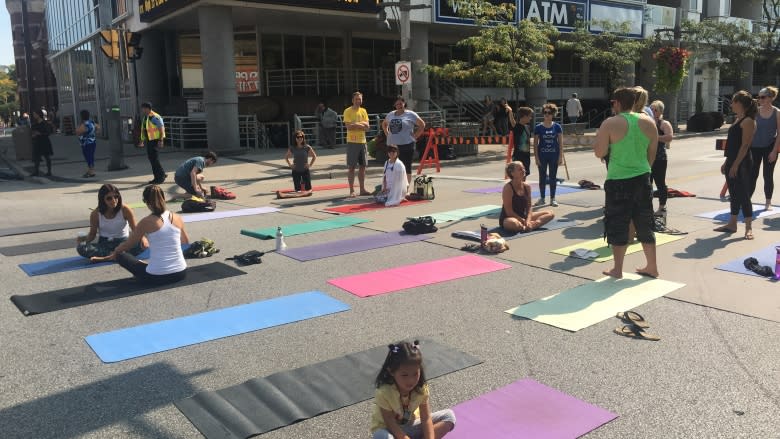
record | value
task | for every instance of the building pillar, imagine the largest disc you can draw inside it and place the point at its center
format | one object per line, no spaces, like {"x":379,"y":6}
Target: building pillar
{"x":536,"y":95}
{"x":421,"y":90}
{"x":585,"y":69}
{"x":220,"y":98}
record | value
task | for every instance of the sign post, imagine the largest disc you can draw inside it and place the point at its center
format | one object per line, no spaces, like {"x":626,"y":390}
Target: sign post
{"x":403,"y":77}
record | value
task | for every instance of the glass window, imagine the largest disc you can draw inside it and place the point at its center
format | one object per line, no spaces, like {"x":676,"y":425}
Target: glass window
{"x":334,"y":52}
{"x":272,"y":52}
{"x":362,"y":53}
{"x":314,"y":52}
{"x":386,"y":53}
{"x":293,"y":52}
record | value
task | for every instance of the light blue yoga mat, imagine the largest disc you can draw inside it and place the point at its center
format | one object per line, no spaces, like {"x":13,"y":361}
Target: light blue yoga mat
{"x":725,"y":214}
{"x":765,"y":256}
{"x":552,"y":225}
{"x":71,"y":263}
{"x":165,"y":335}
{"x":469,"y":212}
{"x":559,"y":190}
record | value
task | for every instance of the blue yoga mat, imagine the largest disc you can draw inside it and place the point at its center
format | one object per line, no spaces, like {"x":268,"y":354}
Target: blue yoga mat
{"x":765,"y":256}
{"x":152,"y":338}
{"x":725,"y":214}
{"x":552,"y":225}
{"x":71,"y":263}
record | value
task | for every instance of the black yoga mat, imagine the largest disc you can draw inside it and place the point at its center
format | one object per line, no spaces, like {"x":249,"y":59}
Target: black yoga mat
{"x":23,"y":230}
{"x":39,"y":247}
{"x":56,"y":300}
{"x":260,"y":405}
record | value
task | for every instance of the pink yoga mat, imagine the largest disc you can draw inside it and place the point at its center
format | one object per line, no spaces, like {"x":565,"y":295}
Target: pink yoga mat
{"x":527,"y":409}
{"x":410,"y":276}
{"x":355,"y":208}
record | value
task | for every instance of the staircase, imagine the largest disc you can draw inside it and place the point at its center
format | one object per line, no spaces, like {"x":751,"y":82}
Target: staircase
{"x":460,"y":107}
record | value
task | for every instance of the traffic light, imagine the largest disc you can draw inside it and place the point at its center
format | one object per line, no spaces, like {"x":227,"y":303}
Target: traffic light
{"x":111,"y":46}
{"x":132,"y":44}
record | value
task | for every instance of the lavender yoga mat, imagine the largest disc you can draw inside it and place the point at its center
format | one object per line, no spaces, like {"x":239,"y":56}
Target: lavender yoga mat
{"x":206,"y":216}
{"x":559,"y":190}
{"x":529,"y":409}
{"x":353,"y":245}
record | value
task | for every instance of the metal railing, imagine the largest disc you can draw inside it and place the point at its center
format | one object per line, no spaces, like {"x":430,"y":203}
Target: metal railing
{"x":309,"y":125}
{"x":467,"y":107}
{"x":328,"y":82}
{"x":191,"y":132}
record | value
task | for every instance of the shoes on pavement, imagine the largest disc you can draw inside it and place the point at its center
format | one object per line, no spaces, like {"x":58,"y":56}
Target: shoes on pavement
{"x":553,"y":203}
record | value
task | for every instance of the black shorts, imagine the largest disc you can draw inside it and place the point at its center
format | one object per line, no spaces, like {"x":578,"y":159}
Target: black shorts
{"x":405,"y":154}
{"x":626,"y":201}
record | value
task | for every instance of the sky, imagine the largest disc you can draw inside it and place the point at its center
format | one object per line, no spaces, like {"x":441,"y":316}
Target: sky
{"x":6,"y":42}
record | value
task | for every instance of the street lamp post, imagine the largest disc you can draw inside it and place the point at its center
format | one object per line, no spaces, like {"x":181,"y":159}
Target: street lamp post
{"x":405,"y":28}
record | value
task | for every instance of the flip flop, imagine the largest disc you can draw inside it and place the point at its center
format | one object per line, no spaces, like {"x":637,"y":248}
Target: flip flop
{"x":749,"y":235}
{"x":634,"y":331}
{"x":633,"y":318}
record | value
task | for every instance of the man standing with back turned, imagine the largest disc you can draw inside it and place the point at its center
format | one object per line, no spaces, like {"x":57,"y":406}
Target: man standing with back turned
{"x":356,"y":123}
{"x":631,"y":142}
{"x":152,"y":135}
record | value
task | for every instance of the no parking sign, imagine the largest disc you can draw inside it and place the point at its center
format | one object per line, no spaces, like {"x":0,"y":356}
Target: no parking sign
{"x":403,"y":73}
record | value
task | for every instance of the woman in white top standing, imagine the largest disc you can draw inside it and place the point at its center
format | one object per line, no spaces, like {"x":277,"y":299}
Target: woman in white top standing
{"x":112,"y":222}
{"x":402,"y":128}
{"x":166,"y":234}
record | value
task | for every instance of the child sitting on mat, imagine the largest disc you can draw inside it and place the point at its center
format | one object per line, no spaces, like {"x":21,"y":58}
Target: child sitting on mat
{"x":301,"y":175}
{"x":401,"y":407}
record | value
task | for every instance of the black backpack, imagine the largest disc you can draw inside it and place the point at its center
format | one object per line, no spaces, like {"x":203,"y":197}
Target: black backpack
{"x":192,"y":206}
{"x":419,"y":225}
{"x":249,"y":258}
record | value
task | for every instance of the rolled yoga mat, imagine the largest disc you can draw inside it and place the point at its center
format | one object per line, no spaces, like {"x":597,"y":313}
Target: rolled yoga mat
{"x":260,"y":405}
{"x":415,"y":275}
{"x":724,"y":215}
{"x":353,"y":245}
{"x":56,"y":300}
{"x":527,"y":409}
{"x":303,"y":228}
{"x":72,"y":263}
{"x":602,"y":250}
{"x":552,"y":225}
{"x":594,"y":301}
{"x":208,"y":216}
{"x":765,"y":256}
{"x":152,"y":338}
{"x":38,"y":247}
{"x":355,"y":208}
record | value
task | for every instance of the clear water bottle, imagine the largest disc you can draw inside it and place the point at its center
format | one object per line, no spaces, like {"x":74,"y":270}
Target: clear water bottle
{"x":280,"y":245}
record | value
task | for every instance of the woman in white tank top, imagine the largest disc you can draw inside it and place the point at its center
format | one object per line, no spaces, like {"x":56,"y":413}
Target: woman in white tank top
{"x":165,"y":233}
{"x":111,"y":222}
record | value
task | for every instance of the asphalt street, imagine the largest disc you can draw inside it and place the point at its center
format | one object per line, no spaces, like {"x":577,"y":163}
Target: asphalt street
{"x":714,"y":374}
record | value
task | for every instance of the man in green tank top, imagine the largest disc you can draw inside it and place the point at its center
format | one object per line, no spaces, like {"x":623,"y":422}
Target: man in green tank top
{"x":630,"y":139}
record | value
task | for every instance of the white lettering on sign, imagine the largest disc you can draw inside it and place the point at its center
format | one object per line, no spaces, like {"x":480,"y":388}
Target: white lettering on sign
{"x":550,"y":12}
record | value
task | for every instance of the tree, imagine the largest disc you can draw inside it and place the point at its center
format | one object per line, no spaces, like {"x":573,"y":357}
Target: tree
{"x":504,"y":54}
{"x":735,"y":42}
{"x":771,"y":10}
{"x":611,"y":49}
{"x":7,"y":88}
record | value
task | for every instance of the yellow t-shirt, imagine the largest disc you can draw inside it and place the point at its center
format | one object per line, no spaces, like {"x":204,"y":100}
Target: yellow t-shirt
{"x":387,"y":397}
{"x":351,"y":116}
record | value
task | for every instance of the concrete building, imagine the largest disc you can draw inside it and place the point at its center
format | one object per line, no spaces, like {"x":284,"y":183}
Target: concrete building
{"x":220,"y":59}
{"x":30,"y":47}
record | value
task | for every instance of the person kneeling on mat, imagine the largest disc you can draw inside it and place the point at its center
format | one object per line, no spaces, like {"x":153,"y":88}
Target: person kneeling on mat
{"x":189,"y":175}
{"x":165,"y":232}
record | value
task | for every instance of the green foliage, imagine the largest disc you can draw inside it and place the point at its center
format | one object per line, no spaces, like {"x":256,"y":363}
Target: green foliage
{"x":611,"y":49}
{"x":771,"y":10}
{"x":671,"y":68}
{"x":735,"y":42}
{"x":504,"y":54}
{"x":7,"y":88}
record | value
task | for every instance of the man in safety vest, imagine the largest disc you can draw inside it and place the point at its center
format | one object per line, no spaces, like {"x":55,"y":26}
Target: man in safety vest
{"x":152,"y":135}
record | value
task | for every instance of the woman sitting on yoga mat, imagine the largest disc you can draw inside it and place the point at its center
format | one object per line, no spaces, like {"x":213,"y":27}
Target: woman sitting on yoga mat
{"x":401,"y":407}
{"x":112,"y":221}
{"x":166,"y":234}
{"x":394,"y":182}
{"x":517,"y":215}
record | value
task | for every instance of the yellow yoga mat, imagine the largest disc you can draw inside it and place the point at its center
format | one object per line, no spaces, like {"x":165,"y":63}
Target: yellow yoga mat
{"x":593,"y":302}
{"x":600,"y":246}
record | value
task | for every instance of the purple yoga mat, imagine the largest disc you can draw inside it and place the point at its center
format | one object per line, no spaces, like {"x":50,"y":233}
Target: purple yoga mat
{"x":353,"y":245}
{"x":560,"y":190}
{"x":219,"y":214}
{"x":527,"y":409}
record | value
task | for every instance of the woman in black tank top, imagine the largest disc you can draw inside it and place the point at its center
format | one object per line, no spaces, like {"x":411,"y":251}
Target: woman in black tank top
{"x":517,"y":214}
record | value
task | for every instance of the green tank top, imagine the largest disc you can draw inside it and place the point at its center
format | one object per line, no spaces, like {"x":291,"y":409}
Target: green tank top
{"x":628,"y":157}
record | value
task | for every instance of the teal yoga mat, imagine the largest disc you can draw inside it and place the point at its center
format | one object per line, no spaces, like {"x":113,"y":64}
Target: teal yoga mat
{"x":303,"y":228}
{"x":165,"y":335}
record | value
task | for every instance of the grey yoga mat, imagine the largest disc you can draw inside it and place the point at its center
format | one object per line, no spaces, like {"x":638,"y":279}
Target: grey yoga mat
{"x":260,"y":405}
{"x":352,"y":245}
{"x":39,"y":247}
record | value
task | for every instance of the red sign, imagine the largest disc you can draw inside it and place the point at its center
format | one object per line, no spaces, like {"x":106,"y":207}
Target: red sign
{"x":247,"y":80}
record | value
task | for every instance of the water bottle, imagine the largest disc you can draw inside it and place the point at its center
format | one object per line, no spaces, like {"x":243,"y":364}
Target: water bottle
{"x":483,"y":235}
{"x":280,"y":245}
{"x":777,"y":263}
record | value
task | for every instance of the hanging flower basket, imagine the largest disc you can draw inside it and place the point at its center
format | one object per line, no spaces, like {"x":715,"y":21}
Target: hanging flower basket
{"x":671,"y":68}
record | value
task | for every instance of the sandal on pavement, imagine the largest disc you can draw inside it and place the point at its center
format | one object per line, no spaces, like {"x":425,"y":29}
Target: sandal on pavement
{"x":634,"y":331}
{"x":748,"y":235}
{"x":633,"y":318}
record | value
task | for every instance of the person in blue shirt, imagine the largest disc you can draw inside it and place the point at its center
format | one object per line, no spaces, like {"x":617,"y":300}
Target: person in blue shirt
{"x":189,"y":175}
{"x":548,"y":151}
{"x":86,"y":132}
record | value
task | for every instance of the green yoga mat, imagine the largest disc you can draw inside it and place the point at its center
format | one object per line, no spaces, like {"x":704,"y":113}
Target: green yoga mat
{"x":595,"y":301}
{"x":303,"y":228}
{"x":600,"y":246}
{"x":470,"y":212}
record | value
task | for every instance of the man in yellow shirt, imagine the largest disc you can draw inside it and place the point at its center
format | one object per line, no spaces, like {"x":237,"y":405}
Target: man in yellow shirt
{"x":356,"y":123}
